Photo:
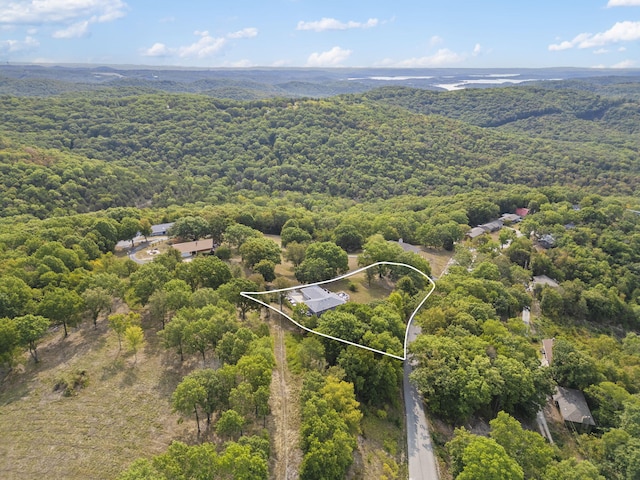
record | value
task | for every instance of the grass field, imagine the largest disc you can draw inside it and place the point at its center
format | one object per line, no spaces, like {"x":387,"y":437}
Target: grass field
{"x":122,"y":413}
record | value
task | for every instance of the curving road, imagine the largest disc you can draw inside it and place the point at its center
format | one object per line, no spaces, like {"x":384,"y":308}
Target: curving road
{"x":423,"y":464}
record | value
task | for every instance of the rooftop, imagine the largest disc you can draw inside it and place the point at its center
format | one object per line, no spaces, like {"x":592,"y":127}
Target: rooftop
{"x":161,"y":228}
{"x":319,"y":300}
{"x":544,"y":280}
{"x":573,"y":406}
{"x":204,"y":245}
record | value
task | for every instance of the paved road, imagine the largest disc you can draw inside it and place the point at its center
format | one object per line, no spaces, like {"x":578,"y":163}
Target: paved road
{"x":141,"y":246}
{"x":422,"y":460}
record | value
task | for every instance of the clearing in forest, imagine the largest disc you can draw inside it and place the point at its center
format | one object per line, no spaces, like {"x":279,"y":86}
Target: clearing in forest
{"x":317,"y":298}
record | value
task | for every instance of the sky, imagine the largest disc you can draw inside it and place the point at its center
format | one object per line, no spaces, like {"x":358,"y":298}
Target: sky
{"x":323,"y":33}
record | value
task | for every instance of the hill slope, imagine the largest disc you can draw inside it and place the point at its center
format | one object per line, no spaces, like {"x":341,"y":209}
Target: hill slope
{"x":181,"y":147}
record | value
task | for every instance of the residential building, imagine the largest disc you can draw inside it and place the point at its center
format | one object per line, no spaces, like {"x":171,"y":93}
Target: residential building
{"x":191,"y":248}
{"x":319,"y":300}
{"x":574,"y":409}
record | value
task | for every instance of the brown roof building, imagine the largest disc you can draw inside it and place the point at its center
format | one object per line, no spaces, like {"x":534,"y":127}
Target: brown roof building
{"x":191,"y":248}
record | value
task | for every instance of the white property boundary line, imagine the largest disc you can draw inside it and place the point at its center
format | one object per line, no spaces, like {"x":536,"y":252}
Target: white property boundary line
{"x":406,"y":333}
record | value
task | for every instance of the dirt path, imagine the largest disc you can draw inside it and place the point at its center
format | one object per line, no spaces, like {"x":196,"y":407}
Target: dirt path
{"x":285,"y":407}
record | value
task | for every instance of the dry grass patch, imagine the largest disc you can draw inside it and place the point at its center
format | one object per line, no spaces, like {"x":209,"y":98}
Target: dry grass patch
{"x":115,"y":412}
{"x":438,"y":260}
{"x":381,"y":451}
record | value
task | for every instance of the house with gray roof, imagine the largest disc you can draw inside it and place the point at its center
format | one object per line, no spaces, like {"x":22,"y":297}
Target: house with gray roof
{"x":476,"y":232}
{"x":160,"y":229}
{"x":574,"y":409}
{"x":319,"y":300}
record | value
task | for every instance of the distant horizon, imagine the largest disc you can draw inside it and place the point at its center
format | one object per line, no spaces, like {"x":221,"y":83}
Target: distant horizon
{"x":334,"y":68}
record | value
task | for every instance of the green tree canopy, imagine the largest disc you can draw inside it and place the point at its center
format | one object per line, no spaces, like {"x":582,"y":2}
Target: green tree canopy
{"x":31,"y":328}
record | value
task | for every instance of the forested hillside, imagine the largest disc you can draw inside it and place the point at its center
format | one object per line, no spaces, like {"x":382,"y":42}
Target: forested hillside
{"x":186,"y":148}
{"x":159,"y":368}
{"x":558,"y":114}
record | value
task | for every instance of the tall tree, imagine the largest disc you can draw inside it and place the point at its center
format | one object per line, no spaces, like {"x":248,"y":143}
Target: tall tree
{"x":62,"y":307}
{"x":323,"y":260}
{"x":173,"y":335}
{"x":236,"y":234}
{"x":147,"y":279}
{"x":30,"y":329}
{"x":119,"y":322}
{"x":190,"y":228}
{"x":135,"y":339}
{"x":129,"y":228}
{"x":9,"y":341}
{"x":230,"y":424}
{"x":485,"y":458}
{"x":96,"y":300}
{"x":260,"y":248}
{"x":528,"y":448}
{"x":348,"y":237}
{"x":231,"y":292}
{"x":205,"y":271}
{"x":295,"y":253}
{"x":186,"y":398}
{"x":15,"y":296}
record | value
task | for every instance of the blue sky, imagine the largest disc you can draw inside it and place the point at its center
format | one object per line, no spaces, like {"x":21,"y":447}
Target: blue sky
{"x":323,"y":33}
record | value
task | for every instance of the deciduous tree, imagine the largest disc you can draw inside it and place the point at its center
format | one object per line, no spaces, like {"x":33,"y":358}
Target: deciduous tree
{"x":119,"y":322}
{"x":96,"y":301}
{"x":188,"y":395}
{"x":230,"y":424}
{"x":62,"y":307}
{"x":31,"y":329}
{"x":135,"y":339}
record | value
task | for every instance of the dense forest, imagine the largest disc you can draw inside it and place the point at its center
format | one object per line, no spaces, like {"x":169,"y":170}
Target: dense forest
{"x":297,"y":191}
{"x":187,"y":148}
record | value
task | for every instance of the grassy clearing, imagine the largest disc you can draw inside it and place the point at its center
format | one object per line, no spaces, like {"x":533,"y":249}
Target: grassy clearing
{"x":438,"y":260}
{"x":381,"y":449}
{"x":123,"y":412}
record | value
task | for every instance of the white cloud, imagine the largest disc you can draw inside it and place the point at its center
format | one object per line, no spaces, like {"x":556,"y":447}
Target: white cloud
{"x":623,"y":3}
{"x":73,"y":17}
{"x":333,"y":24}
{"x":157,"y":50}
{"x":477,"y":50}
{"x":435,"y":40}
{"x":330,"y":58}
{"x":13,"y":46}
{"x":622,"y":49}
{"x":206,"y":46}
{"x":442,"y":57}
{"x":624,"y":64}
{"x":76,"y":30}
{"x":38,"y":12}
{"x":244,"y":33}
{"x":626,"y":31}
{"x":600,"y":51}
